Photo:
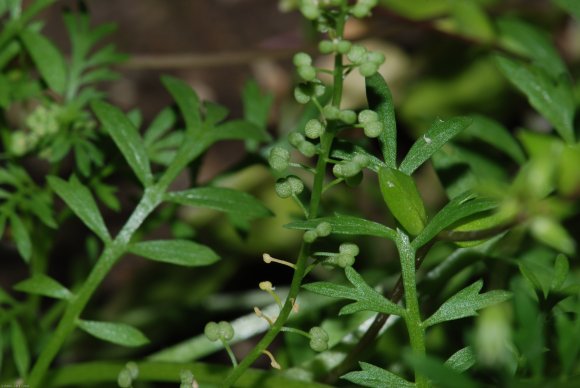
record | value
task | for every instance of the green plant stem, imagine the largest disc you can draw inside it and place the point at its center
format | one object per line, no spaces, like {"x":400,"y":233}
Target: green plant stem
{"x":413,"y":316}
{"x":111,"y":254}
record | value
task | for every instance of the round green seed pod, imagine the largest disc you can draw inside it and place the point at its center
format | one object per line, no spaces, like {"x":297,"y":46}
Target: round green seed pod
{"x":124,"y":379}
{"x":133,"y":369}
{"x":368,"y":69}
{"x":323,"y":229}
{"x":186,"y":376}
{"x":279,"y":158}
{"x":343,"y":47}
{"x":330,"y":112}
{"x":356,"y":54}
{"x":302,"y":94}
{"x":349,"y":249}
{"x":212,"y":331}
{"x":310,"y":236}
{"x":376,"y":57}
{"x":301,"y":59}
{"x":348,"y":116}
{"x":345,"y":169}
{"x":296,"y":184}
{"x":344,"y":260}
{"x":373,"y":129}
{"x":319,"y":89}
{"x":307,"y":72}
{"x":326,"y":46}
{"x":295,"y":139}
{"x":310,"y":11}
{"x":318,"y":339}
{"x":283,"y":188}
{"x":226,"y":330}
{"x":367,"y":116}
{"x":361,"y":160}
{"x":307,"y":149}
{"x":314,"y":129}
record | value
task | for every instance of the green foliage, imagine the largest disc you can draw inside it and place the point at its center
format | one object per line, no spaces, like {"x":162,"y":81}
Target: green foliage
{"x":480,"y":184}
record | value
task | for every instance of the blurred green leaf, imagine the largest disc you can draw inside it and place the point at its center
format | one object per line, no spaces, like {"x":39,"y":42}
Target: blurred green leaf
{"x":495,"y":134}
{"x":256,"y":105}
{"x":117,"y":333}
{"x":571,"y":6}
{"x":164,"y":121}
{"x":236,"y":130}
{"x":373,"y":376}
{"x":553,"y":234}
{"x":403,"y":200}
{"x":466,"y":303}
{"x":43,"y":285}
{"x":187,"y":100}
{"x":126,"y":137}
{"x":568,"y":176}
{"x":418,"y":9}
{"x":47,"y":58}
{"x":380,"y":100}
{"x":462,"y":359}
{"x":530,"y":41}
{"x":365,"y":297}
{"x":471,"y":20}
{"x":567,"y":329}
{"x":460,"y":207}
{"x":561,"y":270}
{"x":440,"y":374}
{"x":21,"y":237}
{"x":347,"y":225}
{"x":218,"y":198}
{"x":551,"y":97}
{"x":179,"y":252}
{"x":20,"y":350}
{"x":80,"y":200}
{"x":436,"y":136}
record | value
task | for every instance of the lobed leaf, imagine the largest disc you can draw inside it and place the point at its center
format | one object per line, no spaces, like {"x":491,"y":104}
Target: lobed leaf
{"x":43,"y":285}
{"x":48,"y":60}
{"x":553,"y":98}
{"x":466,"y":303}
{"x":440,"y":132}
{"x":403,"y":199}
{"x":380,"y":100}
{"x":460,"y":207}
{"x":373,"y":376}
{"x":80,"y":200}
{"x":161,"y":124}
{"x":256,"y":105}
{"x":127,"y":139}
{"x":218,"y":198}
{"x":347,"y":225}
{"x":179,"y":252}
{"x":117,"y":333}
{"x":365,"y":297}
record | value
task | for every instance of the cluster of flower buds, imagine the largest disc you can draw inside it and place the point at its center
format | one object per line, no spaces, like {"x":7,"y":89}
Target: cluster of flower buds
{"x":346,"y":255}
{"x":289,"y":186}
{"x":368,"y":62}
{"x":306,"y":148}
{"x":370,"y":122}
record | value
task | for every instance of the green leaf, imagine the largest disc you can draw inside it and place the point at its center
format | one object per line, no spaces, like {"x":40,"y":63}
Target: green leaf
{"x":403,"y":199}
{"x":160,"y":125}
{"x":561,"y":269}
{"x":567,"y":328}
{"x":187,"y":100}
{"x":571,"y":6}
{"x":117,"y":333}
{"x":345,"y":150}
{"x":347,"y":225}
{"x":553,"y":234}
{"x":222,"y":199}
{"x":472,"y":21}
{"x":256,"y":105}
{"x":179,"y":252}
{"x":460,"y":207}
{"x":493,"y":133}
{"x":127,"y":139}
{"x":81,"y":202}
{"x":21,"y":237}
{"x":553,"y":98}
{"x":236,"y":130}
{"x":530,"y":41}
{"x":373,"y":376}
{"x":47,"y":58}
{"x":440,"y":132}
{"x":43,"y":285}
{"x":365,"y":297}
{"x":462,"y":360}
{"x":381,"y":101}
{"x":440,"y":374}
{"x":20,"y":350}
{"x":466,"y":303}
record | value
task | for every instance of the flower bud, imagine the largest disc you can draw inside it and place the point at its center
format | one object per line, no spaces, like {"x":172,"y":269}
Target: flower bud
{"x":314,"y":129}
